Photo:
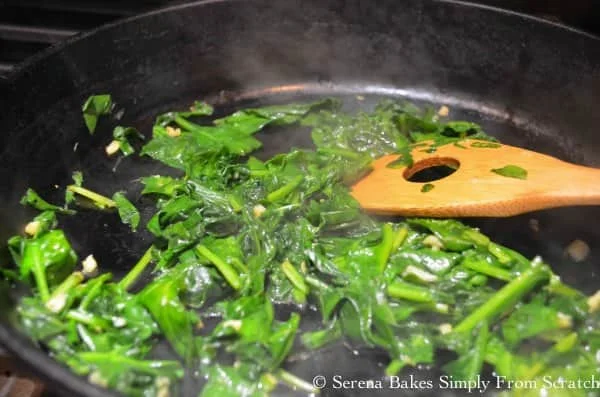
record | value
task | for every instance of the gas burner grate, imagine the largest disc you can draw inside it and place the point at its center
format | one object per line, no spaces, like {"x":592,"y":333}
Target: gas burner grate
{"x":29,"y":26}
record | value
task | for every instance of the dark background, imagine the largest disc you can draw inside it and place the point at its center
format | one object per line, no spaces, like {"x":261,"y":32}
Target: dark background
{"x":28,"y":26}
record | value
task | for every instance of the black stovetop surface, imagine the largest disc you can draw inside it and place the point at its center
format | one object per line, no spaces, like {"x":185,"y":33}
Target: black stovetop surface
{"x":28,"y":26}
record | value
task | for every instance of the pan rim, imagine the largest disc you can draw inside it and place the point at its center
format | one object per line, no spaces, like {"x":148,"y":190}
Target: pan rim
{"x":22,"y":349}
{"x":56,"y":48}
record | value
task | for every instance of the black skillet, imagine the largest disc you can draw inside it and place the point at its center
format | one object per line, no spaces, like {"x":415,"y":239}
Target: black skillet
{"x":530,"y":82}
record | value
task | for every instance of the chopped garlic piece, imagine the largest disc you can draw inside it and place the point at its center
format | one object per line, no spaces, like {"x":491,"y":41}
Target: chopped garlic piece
{"x":89,"y":265}
{"x":173,"y":132}
{"x":578,"y":250}
{"x":433,"y":242}
{"x":57,"y":303}
{"x":112,"y":148}
{"x":97,"y":379}
{"x":270,"y":378}
{"x":421,"y":274}
{"x":594,"y":302}
{"x":445,"y":328}
{"x":564,"y":320}
{"x":119,"y":322}
{"x":235,"y":324}
{"x":444,"y":111}
{"x":33,"y":228}
{"x":162,"y":384}
{"x":258,"y":210}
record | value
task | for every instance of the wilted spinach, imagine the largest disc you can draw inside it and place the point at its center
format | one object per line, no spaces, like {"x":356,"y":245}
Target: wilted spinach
{"x":235,"y":236}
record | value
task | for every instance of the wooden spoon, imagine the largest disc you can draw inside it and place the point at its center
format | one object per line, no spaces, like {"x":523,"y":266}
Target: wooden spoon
{"x":474,"y":189}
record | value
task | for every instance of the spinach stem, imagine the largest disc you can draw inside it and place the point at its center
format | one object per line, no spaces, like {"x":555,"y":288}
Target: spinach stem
{"x":228,"y":272}
{"x":341,"y":152}
{"x":98,"y":199}
{"x":235,"y":203}
{"x":317,"y":339}
{"x":188,"y":125}
{"x":566,"y":343}
{"x":294,"y":276}
{"x":88,"y":319}
{"x":295,"y":382}
{"x":70,"y":282}
{"x":556,"y":287}
{"x":315,"y":282}
{"x":135,"y":272}
{"x":183,"y":123}
{"x":154,"y":367}
{"x":39,"y":274}
{"x":94,"y":290}
{"x":394,"y":367}
{"x":505,"y":297}
{"x":561,"y":346}
{"x":385,"y":247}
{"x":285,"y":189}
{"x":239,"y":265}
{"x":477,"y":237}
{"x":487,"y":269}
{"x":399,"y":238}
{"x":403,"y":290}
{"x":499,"y":253}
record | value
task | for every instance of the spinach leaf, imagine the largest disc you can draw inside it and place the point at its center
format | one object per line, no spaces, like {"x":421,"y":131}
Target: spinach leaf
{"x":198,"y":108}
{"x":529,"y":320}
{"x":34,"y":200}
{"x":468,"y":366}
{"x":77,"y":177}
{"x":46,"y":259}
{"x":511,"y":171}
{"x":127,"y":211}
{"x":122,"y":135}
{"x":177,"y":323}
{"x":427,"y":187}
{"x":94,"y":107}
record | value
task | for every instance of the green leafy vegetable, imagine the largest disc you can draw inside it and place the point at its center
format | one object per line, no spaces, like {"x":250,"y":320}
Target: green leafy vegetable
{"x":468,"y":366}
{"x":96,"y":199}
{"x":427,"y":187}
{"x":241,"y":247}
{"x":122,"y":135}
{"x":77,"y":177}
{"x":127,"y":211}
{"x":511,"y":171}
{"x":94,"y":107}
{"x":34,"y":200}
{"x":176,"y":323}
{"x":486,"y":145}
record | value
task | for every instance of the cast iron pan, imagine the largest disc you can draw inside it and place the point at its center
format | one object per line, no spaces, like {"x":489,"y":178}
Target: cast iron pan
{"x":530,"y":82}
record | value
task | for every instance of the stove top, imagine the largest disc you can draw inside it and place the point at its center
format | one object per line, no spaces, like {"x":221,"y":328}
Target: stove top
{"x":28,"y":26}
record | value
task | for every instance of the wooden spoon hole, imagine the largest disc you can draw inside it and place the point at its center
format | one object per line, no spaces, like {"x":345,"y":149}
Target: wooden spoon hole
{"x":431,"y":169}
